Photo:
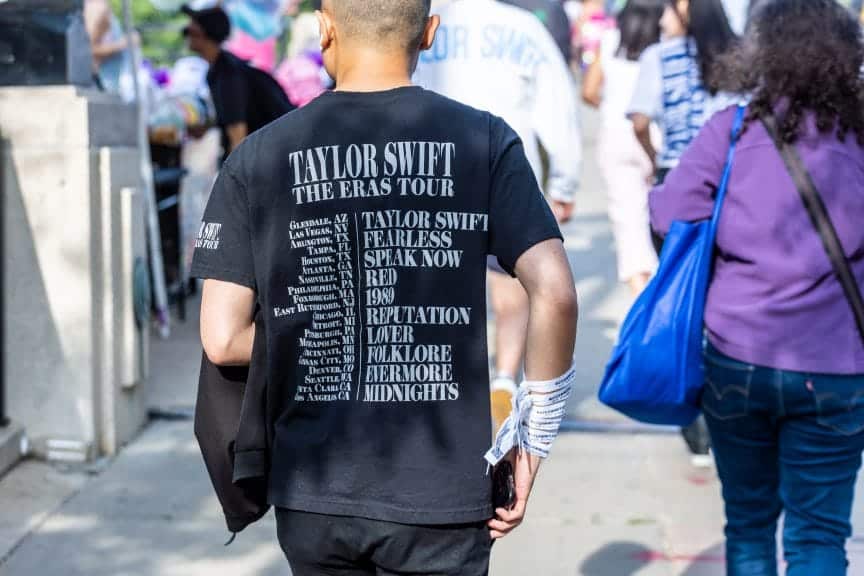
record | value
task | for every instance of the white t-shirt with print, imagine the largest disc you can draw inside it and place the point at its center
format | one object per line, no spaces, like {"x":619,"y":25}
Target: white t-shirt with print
{"x":500,"y":58}
{"x":669,"y":91}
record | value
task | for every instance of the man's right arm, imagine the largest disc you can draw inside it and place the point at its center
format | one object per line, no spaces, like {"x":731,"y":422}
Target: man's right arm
{"x":545,"y":273}
{"x":525,"y":238}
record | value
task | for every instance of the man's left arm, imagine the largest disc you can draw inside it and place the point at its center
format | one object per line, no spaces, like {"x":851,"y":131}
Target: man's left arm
{"x":224,"y":259}
{"x":227,"y":323}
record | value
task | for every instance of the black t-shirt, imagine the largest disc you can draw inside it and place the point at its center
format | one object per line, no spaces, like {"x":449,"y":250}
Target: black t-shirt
{"x":363,"y":221}
{"x":243,"y":93}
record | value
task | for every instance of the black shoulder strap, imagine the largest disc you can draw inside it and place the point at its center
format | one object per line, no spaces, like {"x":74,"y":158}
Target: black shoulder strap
{"x":821,"y":220}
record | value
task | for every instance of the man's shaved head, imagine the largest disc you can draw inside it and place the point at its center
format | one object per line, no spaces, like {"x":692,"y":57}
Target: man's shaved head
{"x":387,"y":22}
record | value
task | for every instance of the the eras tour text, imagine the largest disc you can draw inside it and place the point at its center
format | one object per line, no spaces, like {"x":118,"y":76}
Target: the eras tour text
{"x":365,"y":343}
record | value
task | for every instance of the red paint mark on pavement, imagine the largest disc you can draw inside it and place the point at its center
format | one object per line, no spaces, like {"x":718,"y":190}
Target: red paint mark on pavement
{"x":657,"y":556}
{"x":698,"y":480}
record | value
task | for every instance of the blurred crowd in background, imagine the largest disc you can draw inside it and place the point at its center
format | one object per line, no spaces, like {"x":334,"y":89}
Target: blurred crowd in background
{"x":281,"y":38}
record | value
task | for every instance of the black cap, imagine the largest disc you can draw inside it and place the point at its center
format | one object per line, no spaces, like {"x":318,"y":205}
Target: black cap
{"x":213,"y":21}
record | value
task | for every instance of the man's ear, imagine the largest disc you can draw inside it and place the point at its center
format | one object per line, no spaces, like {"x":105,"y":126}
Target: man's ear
{"x":432,"y":25}
{"x":325,"y":29}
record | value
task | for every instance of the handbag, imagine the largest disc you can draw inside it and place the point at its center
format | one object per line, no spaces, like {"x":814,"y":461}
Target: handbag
{"x":656,"y":374}
{"x":821,"y":220}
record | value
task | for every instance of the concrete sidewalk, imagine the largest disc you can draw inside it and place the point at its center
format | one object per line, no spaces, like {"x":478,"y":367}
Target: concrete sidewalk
{"x":604,"y":505}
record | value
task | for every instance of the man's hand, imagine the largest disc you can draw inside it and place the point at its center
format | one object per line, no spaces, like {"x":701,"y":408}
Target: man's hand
{"x":563,"y":211}
{"x":525,"y":468}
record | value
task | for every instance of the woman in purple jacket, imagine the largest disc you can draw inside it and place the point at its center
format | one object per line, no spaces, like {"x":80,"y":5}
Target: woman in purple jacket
{"x":784,"y":396}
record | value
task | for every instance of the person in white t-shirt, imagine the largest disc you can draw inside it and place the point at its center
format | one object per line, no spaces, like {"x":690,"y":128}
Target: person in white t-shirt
{"x":502,"y":59}
{"x":627,"y":171}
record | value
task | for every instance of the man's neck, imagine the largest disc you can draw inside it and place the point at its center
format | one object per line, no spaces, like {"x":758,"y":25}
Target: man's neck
{"x":212,"y":55}
{"x":371,"y":70}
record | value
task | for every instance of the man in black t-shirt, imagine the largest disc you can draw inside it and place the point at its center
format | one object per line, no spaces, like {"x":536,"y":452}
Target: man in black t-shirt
{"x":360,"y":224}
{"x":246,"y":98}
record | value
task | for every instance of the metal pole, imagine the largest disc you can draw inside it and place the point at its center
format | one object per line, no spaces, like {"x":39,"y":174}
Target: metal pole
{"x":3,"y":419}
{"x":153,"y":233}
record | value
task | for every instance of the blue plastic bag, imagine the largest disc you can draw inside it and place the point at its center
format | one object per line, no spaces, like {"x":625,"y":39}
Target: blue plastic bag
{"x":655,"y":374}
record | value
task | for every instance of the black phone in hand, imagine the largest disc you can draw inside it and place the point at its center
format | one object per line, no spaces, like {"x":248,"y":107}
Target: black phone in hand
{"x":503,"y":486}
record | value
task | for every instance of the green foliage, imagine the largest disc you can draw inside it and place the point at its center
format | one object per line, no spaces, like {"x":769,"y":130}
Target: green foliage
{"x":307,"y":6}
{"x":161,"y":39}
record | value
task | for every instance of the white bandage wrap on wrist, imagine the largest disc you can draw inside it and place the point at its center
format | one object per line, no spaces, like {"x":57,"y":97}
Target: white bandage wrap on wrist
{"x":538,"y":409}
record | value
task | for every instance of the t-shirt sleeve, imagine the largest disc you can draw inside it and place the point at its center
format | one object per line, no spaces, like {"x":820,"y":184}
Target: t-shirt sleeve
{"x":555,"y":118}
{"x":223,"y":249}
{"x":233,"y":98}
{"x":647,"y":96}
{"x":519,"y":216}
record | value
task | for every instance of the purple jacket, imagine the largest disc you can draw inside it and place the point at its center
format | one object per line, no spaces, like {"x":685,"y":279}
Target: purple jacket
{"x":774,"y":299}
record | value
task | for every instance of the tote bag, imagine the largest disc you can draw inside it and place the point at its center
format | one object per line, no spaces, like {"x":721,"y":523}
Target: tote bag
{"x":655,"y":374}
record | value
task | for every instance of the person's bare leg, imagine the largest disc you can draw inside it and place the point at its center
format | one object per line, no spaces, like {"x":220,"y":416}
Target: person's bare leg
{"x":510,"y":305}
{"x":638,"y":283}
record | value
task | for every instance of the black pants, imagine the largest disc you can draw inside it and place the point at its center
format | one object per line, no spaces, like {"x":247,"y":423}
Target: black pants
{"x":318,"y":545}
{"x":656,"y":239}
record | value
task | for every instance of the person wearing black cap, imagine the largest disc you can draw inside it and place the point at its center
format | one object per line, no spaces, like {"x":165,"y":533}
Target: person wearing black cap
{"x":245,"y":98}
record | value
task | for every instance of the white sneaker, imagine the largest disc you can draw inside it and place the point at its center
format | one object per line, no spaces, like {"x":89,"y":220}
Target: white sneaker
{"x":702,"y":460}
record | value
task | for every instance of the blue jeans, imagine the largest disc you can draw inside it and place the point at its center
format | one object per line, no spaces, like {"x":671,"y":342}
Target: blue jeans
{"x":784,"y":442}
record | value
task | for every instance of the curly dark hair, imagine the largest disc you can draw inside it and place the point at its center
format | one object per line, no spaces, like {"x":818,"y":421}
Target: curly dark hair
{"x":802,"y":56}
